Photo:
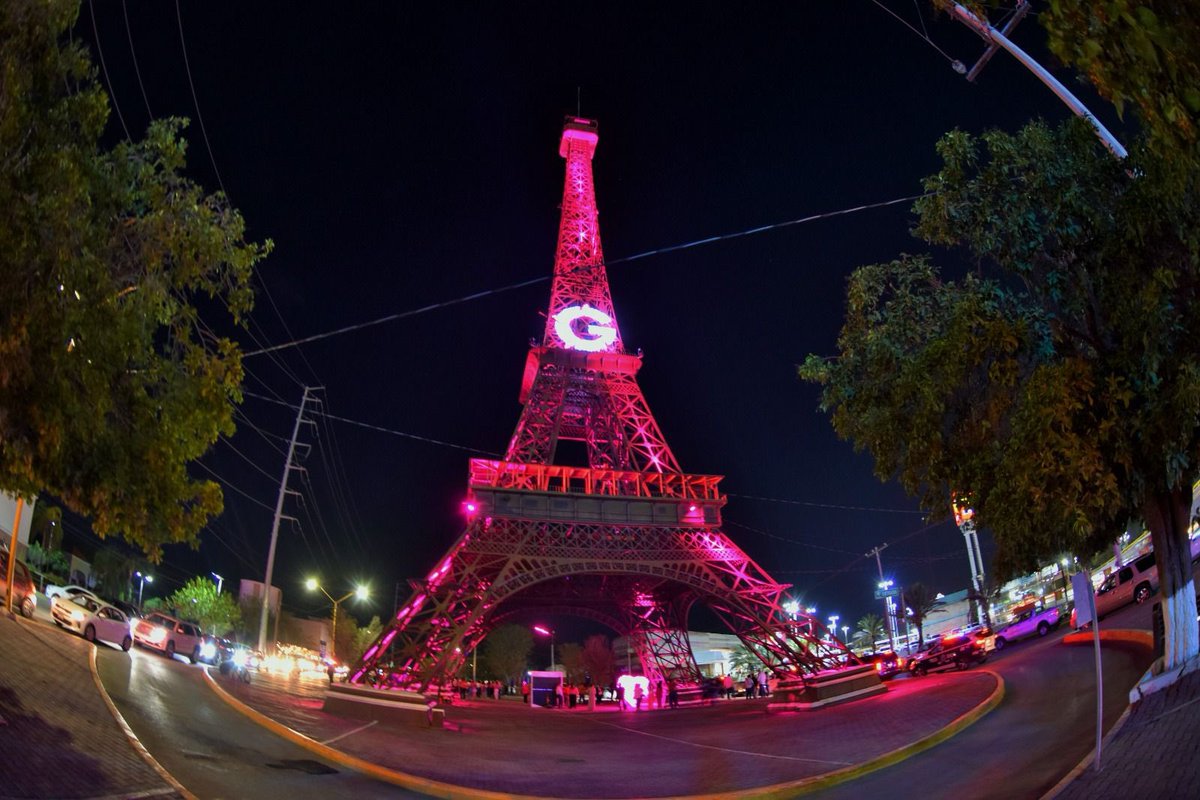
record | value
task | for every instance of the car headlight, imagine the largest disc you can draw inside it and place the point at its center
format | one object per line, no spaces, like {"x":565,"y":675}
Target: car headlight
{"x":157,"y":635}
{"x":77,"y":616}
{"x":208,"y":650}
{"x":239,"y":658}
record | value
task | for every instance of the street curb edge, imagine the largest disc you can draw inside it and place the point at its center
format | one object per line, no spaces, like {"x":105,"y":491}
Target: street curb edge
{"x":131,"y":736}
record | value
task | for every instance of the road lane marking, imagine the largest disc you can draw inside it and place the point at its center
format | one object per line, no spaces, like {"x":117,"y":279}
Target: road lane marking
{"x":348,"y":733}
{"x":725,"y":749}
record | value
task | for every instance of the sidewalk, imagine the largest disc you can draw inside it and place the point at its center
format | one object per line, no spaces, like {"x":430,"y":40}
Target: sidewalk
{"x":58,"y":738}
{"x":1153,"y":755}
{"x":732,"y":746}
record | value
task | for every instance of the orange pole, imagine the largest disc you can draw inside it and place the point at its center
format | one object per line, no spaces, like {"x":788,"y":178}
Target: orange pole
{"x":12,"y":556}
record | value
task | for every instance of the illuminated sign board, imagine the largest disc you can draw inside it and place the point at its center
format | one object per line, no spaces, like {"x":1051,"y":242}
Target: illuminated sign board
{"x":585,"y":328}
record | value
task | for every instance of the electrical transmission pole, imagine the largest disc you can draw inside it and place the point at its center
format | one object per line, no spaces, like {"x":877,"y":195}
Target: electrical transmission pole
{"x":283,"y":491}
{"x":889,"y":614}
{"x":996,"y":39}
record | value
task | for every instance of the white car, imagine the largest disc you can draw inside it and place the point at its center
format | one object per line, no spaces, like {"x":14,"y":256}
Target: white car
{"x":70,"y":590}
{"x":169,"y":635}
{"x":1032,"y":621}
{"x":93,"y":619}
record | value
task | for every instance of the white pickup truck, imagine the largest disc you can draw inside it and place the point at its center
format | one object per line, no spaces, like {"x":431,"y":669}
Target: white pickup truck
{"x":1036,"y":620}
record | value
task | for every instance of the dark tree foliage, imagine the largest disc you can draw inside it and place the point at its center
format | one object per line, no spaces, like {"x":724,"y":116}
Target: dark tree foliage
{"x":110,"y":380}
{"x":1058,"y":386}
{"x":506,"y":651}
{"x":599,"y":660}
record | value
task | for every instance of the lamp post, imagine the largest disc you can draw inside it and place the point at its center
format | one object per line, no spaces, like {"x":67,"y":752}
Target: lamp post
{"x":833,"y":621}
{"x":361,"y":592}
{"x":547,"y":632}
{"x":142,"y":585}
{"x":792,"y":607}
{"x":845,"y":633}
{"x":220,"y":581}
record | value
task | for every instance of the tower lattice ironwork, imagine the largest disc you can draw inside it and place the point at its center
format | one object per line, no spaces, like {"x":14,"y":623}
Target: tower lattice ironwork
{"x":630,"y":541}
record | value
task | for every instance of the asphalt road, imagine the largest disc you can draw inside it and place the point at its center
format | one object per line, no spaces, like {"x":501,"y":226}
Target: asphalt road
{"x":211,"y":749}
{"x":1043,"y":728}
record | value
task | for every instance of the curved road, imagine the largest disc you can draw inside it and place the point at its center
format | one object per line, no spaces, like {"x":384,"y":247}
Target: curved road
{"x":211,"y":749}
{"x":1043,"y":728}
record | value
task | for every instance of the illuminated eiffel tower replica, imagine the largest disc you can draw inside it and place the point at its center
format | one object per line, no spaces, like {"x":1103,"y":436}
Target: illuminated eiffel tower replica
{"x":630,"y":541}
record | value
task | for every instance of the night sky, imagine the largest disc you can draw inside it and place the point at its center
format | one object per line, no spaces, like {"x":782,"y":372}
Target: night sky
{"x":401,"y":156}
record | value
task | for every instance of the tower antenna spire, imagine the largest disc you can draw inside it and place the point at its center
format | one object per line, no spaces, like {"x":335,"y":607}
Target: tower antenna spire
{"x":579,"y":101}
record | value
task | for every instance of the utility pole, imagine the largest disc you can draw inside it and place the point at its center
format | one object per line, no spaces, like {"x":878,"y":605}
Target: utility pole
{"x":996,"y":39}
{"x":287,"y":469}
{"x":11,"y":567}
{"x":888,"y":609}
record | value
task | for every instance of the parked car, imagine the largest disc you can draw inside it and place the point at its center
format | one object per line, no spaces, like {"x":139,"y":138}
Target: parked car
{"x":956,"y":650}
{"x":215,"y":649}
{"x":168,"y":635}
{"x":887,"y":663}
{"x":70,"y":590}
{"x":24,"y":592}
{"x":128,"y":609}
{"x":91,"y":618}
{"x":1135,"y":582}
{"x":1037,"y":620}
{"x":986,"y":637}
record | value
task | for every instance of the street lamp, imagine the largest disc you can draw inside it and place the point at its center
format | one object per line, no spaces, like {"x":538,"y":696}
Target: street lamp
{"x":362,"y":593}
{"x":220,"y":581}
{"x":142,"y":585}
{"x":550,"y":633}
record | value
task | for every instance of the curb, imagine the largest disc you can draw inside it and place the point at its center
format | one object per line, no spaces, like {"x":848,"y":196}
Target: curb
{"x":779,"y":790}
{"x":131,"y":736}
{"x":1144,"y":638}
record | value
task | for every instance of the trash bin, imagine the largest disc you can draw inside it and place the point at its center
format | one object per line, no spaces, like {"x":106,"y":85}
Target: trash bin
{"x":1160,"y":632}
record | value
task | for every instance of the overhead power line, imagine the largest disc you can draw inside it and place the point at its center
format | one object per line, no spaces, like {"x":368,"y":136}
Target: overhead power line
{"x":195,"y":101}
{"x":824,"y":505}
{"x":112,"y":90}
{"x":522,"y":284}
{"x":379,"y":428}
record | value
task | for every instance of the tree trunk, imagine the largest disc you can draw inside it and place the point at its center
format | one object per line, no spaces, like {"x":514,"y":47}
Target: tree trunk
{"x":1168,"y":515}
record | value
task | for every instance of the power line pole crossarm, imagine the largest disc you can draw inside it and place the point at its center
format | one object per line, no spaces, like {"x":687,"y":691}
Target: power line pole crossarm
{"x":996,"y":38}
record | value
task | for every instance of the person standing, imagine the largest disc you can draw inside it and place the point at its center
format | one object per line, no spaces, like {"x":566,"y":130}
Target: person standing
{"x":672,"y":694}
{"x":764,"y":686}
{"x":749,"y":683}
{"x":525,"y":692}
{"x":638,"y":694}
